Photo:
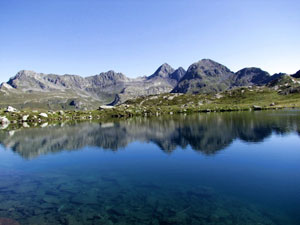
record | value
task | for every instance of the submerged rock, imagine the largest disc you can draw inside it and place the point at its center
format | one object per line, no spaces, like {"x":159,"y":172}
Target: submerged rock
{"x":51,"y":199}
{"x":7,"y":221}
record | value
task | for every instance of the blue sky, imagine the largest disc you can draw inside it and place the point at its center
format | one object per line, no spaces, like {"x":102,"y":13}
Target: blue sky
{"x":136,"y":36}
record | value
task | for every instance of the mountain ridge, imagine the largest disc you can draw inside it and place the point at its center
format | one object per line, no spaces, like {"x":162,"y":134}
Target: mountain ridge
{"x":204,"y":76}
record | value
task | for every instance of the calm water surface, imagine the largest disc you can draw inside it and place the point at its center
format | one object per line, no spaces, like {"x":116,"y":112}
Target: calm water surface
{"x":227,"y":168}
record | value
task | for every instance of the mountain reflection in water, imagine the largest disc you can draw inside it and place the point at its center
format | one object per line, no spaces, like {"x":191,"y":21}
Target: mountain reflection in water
{"x":206,"y":133}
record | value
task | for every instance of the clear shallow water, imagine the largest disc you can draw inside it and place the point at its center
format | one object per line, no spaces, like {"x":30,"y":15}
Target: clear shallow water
{"x":227,"y":168}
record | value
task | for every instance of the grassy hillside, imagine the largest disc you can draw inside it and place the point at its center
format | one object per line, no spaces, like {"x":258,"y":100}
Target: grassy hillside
{"x":237,"y":99}
{"x":65,"y":100}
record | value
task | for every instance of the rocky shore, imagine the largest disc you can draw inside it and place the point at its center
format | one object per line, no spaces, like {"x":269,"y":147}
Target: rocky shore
{"x":242,"y":99}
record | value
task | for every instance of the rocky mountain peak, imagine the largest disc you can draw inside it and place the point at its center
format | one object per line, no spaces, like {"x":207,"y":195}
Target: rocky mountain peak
{"x":109,"y":75}
{"x":208,"y":64}
{"x":249,"y":70}
{"x":207,"y":67}
{"x":205,"y":76}
{"x":163,"y":71}
{"x":25,"y":73}
{"x":24,"y":78}
{"x":178,"y":74}
{"x":251,"y":76}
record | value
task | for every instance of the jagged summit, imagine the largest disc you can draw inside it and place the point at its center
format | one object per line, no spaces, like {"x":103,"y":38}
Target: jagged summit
{"x":178,"y":74}
{"x":163,"y":71}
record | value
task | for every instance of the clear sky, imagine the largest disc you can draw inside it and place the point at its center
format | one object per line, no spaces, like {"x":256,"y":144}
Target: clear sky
{"x":86,"y":37}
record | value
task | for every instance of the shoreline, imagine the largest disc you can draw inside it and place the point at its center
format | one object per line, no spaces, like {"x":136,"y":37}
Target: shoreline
{"x":109,"y":115}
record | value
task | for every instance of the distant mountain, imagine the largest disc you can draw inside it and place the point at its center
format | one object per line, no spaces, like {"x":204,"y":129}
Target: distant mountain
{"x":31,"y":89}
{"x":178,"y":74}
{"x":167,"y":72}
{"x":205,"y":76}
{"x":296,"y":75}
{"x":163,"y":71}
{"x":37,"y":90}
{"x":163,"y":80}
{"x":251,"y":76}
{"x":31,"y":81}
{"x":208,"y":76}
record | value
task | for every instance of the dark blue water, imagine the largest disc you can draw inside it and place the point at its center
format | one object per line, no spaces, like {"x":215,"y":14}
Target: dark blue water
{"x":227,"y":168}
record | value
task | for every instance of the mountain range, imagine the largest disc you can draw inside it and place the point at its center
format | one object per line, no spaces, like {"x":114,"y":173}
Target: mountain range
{"x":38,"y":90}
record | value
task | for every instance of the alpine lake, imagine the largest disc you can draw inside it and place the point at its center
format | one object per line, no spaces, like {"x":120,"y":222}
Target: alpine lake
{"x":235,"y":168}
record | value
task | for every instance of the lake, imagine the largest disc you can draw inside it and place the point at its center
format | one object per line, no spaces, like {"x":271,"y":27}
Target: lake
{"x":216,"y":168}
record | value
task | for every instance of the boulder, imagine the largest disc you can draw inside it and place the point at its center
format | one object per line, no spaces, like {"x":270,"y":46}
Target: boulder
{"x":25,"y":117}
{"x":11,"y":109}
{"x":256,"y":107}
{"x":8,"y":221}
{"x":43,"y":115}
{"x":105,"y":107}
{"x":171,"y":98}
{"x":76,"y":103}
{"x":218,"y":96}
